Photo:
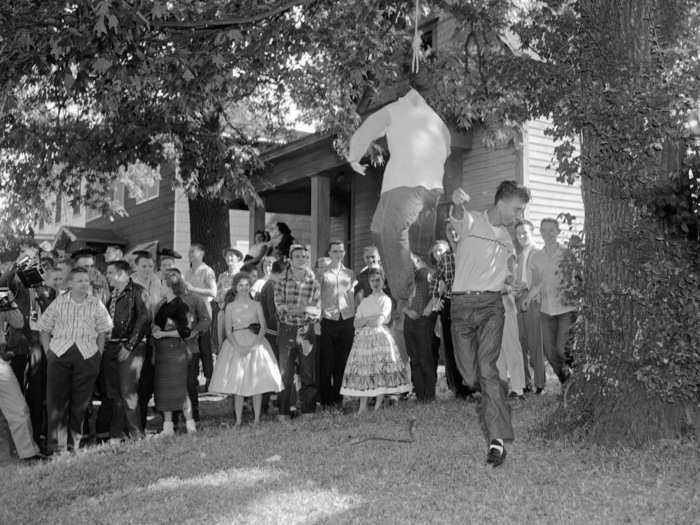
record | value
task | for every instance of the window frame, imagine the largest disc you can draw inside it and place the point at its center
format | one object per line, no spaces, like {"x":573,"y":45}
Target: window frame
{"x":146,"y":197}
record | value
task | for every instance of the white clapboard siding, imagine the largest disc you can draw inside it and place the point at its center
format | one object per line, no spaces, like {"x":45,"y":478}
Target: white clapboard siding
{"x":238,"y":229}
{"x":549,"y":197}
{"x":484,"y":169}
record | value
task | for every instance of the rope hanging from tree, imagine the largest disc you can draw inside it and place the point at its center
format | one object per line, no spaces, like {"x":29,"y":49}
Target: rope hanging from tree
{"x":415,"y":65}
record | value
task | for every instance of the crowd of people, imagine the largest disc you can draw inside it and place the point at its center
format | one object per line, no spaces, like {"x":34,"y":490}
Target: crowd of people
{"x":486,"y":301}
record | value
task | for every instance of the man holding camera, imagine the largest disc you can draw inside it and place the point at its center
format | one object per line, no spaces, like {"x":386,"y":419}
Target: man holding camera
{"x":12,"y":402}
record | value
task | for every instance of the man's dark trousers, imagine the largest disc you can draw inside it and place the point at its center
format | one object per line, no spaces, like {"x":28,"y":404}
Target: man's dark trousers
{"x":205,"y":354}
{"x":452,"y":374}
{"x":418,"y":334}
{"x":146,"y":382}
{"x":291,"y":341}
{"x":336,"y":342}
{"x":557,"y":339}
{"x":36,"y":387}
{"x":70,"y":384}
{"x":120,"y":386}
{"x":477,"y":332}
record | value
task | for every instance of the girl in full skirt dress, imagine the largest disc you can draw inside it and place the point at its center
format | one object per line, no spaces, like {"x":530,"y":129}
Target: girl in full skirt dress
{"x":246,"y":365}
{"x":375,"y":367}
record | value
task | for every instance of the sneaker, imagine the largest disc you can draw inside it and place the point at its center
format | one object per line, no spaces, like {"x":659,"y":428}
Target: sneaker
{"x":496,"y":454}
{"x":168,"y":429}
{"x":191,"y":426}
{"x":515,"y":395}
{"x":114,"y":442}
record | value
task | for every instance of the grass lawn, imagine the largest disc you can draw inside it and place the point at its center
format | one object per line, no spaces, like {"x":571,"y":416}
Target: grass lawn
{"x":315,"y":472}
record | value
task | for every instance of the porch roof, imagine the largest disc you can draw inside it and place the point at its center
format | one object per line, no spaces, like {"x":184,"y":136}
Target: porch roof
{"x":301,"y":159}
{"x":72,"y":237}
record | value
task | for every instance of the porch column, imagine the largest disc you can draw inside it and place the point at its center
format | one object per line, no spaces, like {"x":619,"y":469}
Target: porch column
{"x":320,"y":215}
{"x":256,"y":220}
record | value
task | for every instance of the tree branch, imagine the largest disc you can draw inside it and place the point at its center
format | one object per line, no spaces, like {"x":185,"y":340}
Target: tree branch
{"x":232,"y":22}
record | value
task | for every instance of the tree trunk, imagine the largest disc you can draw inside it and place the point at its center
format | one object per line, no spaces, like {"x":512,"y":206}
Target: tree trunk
{"x":209,"y":226}
{"x":635,"y":334}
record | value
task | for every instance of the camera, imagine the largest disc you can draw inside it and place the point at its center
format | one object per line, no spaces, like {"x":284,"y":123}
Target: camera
{"x":6,"y":302}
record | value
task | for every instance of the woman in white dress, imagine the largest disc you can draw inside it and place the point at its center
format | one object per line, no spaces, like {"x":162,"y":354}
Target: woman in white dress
{"x":246,"y":365}
{"x":375,"y":367}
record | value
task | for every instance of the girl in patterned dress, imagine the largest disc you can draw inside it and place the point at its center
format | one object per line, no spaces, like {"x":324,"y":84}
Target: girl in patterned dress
{"x":375,"y":367}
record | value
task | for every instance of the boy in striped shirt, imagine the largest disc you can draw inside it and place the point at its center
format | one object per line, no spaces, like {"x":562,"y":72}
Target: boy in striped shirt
{"x":73,"y":331}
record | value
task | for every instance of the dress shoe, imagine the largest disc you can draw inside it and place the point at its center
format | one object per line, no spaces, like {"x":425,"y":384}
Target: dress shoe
{"x":496,"y":454}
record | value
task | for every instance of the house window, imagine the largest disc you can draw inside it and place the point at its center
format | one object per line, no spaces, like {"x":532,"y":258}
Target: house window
{"x":116,"y":197}
{"x":429,"y":38}
{"x":92,"y":213}
{"x":118,"y":193}
{"x":149,"y":192}
{"x":76,"y":208}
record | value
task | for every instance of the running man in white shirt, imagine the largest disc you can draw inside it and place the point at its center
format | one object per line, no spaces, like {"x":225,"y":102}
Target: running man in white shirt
{"x":481,"y":268}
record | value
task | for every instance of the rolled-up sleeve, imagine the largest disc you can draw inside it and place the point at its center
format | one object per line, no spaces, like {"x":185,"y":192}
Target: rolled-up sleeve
{"x":103,"y":322}
{"x":47,"y":321}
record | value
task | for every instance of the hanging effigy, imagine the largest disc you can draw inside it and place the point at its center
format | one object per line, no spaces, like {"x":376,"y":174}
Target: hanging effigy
{"x":419,"y":144}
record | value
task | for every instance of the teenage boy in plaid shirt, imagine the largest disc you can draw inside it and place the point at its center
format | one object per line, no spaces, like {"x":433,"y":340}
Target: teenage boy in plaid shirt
{"x":441,"y":291}
{"x":298,"y":303}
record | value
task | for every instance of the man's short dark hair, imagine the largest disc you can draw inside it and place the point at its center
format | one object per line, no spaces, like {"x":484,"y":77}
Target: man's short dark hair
{"x":77,"y":270}
{"x":143,"y":255}
{"x":509,"y":189}
{"x":524,"y":222}
{"x":120,"y":266}
{"x":174,"y":270}
{"x":198,"y":246}
{"x":335,"y":242}
{"x":550,"y":220}
{"x":296,"y":248}
{"x":247,"y":268}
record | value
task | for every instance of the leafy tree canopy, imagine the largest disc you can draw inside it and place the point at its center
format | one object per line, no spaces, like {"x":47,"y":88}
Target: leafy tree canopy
{"x":94,"y":90}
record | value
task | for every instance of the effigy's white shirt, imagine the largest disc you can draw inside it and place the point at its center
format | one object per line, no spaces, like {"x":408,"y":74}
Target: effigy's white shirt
{"x":418,"y":139}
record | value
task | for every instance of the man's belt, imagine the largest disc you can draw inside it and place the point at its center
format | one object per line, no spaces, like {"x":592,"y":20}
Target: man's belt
{"x":475,"y":292}
{"x":124,"y":340}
